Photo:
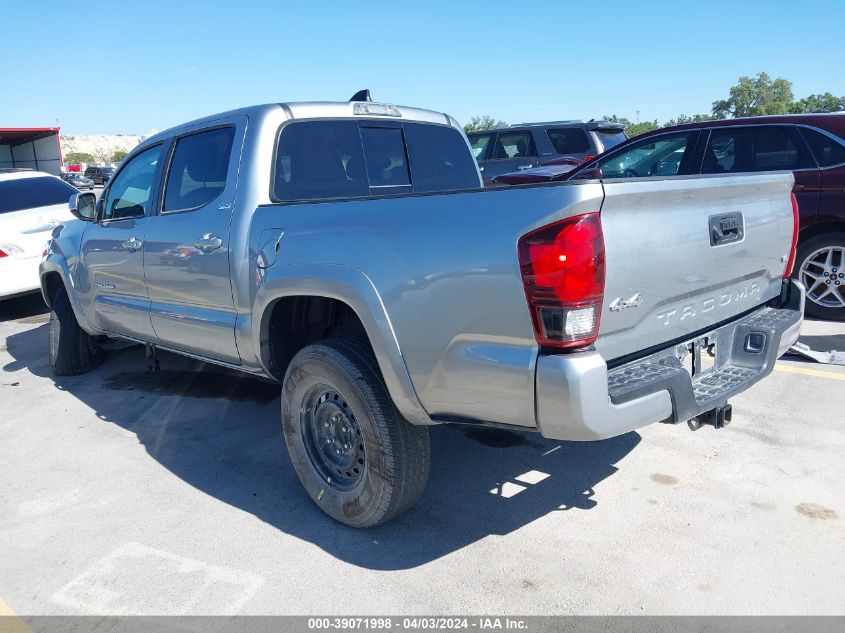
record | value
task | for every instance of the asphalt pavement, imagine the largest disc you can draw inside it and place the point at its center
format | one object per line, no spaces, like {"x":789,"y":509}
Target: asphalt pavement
{"x":131,"y":492}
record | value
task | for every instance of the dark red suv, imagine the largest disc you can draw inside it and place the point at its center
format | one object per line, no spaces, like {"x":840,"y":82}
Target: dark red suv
{"x":811,"y":145}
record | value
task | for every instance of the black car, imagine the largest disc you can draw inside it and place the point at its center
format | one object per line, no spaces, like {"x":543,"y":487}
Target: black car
{"x":100,"y":175}
{"x":78,"y":180}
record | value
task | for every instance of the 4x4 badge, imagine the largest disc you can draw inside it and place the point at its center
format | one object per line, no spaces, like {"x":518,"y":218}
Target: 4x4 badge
{"x":632,"y":302}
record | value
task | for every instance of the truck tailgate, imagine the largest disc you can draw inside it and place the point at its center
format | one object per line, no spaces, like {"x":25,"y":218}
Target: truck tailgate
{"x":684,"y":254}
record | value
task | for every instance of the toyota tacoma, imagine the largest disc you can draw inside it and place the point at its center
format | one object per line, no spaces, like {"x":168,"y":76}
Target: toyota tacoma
{"x":349,"y":251}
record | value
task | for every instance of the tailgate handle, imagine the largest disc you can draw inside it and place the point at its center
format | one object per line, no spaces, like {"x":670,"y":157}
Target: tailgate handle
{"x":726,"y":228}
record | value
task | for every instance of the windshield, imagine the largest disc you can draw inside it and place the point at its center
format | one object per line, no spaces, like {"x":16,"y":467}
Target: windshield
{"x":30,"y":193}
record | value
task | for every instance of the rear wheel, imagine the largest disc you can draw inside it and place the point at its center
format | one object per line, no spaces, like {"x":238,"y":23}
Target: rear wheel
{"x":358,"y":459}
{"x":71,"y":349}
{"x":820,"y":266}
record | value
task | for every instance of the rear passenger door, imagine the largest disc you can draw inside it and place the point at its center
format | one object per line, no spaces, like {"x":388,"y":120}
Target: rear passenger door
{"x":751,"y":148}
{"x":186,"y":255}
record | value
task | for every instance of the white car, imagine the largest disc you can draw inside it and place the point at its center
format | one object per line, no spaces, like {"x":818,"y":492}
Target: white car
{"x":32,"y":204}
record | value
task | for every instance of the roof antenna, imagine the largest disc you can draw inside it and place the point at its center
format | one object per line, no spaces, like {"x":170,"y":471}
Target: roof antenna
{"x":361,"y":95}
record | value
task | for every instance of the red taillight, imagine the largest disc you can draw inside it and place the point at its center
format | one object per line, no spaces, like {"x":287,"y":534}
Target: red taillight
{"x":2,"y":253}
{"x":562,"y":268}
{"x":790,"y":263}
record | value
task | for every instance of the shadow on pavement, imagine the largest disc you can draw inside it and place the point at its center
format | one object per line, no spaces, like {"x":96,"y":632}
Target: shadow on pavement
{"x":27,"y":308}
{"x":825,"y":343}
{"x":219,"y":431}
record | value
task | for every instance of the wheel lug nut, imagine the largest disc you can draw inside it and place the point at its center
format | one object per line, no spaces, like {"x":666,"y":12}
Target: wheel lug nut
{"x":337,"y":450}
{"x":347,"y":446}
{"x":346,"y":428}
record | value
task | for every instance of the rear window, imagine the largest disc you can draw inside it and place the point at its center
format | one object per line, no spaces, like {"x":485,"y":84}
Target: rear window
{"x":318,"y":160}
{"x":29,"y":193}
{"x":384,"y":152}
{"x":569,"y":140}
{"x":826,"y":150}
{"x":439,"y":159}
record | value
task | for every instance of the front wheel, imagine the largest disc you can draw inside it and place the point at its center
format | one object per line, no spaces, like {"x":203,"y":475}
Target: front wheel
{"x":820,"y":266}
{"x":71,"y":349}
{"x":359,"y":460}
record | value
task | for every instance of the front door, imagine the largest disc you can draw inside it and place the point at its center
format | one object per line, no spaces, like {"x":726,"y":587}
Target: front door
{"x":186,"y":254}
{"x":112,"y":250}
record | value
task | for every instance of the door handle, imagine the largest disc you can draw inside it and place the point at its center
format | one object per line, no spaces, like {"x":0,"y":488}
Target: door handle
{"x":524,"y":167}
{"x":208,"y":242}
{"x":132,"y":244}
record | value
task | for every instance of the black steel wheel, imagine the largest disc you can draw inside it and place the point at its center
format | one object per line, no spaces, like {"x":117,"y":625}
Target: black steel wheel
{"x":332,"y":437}
{"x":359,"y":460}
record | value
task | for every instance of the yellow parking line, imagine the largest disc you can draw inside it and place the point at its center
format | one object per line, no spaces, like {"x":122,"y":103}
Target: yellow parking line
{"x":9,"y":620}
{"x":816,"y":373}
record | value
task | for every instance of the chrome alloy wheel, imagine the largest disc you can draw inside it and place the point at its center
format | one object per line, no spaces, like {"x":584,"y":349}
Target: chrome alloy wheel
{"x":823,"y":274}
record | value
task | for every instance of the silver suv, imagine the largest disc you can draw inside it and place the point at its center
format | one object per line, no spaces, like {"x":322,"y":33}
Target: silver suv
{"x":527,"y":145}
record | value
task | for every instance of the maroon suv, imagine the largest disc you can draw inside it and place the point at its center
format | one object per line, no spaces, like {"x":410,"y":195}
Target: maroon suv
{"x":811,"y":145}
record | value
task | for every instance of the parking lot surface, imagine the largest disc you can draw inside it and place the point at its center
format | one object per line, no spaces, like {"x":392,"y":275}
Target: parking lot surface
{"x":131,"y":492}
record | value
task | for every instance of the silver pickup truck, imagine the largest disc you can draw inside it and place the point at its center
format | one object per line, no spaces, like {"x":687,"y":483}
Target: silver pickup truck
{"x":349,"y":252}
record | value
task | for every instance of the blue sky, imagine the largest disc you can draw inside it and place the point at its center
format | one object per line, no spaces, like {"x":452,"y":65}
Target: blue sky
{"x":149,"y":64}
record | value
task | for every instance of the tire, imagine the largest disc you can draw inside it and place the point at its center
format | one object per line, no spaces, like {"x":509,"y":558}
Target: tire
{"x":824,"y":278}
{"x":333,"y":391}
{"x":71,"y":349}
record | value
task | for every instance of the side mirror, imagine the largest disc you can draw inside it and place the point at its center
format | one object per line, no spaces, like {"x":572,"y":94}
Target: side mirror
{"x":83,"y":206}
{"x":593,"y":173}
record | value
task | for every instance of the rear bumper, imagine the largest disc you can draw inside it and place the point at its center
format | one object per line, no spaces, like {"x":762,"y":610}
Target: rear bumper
{"x":579,"y":398}
{"x":19,"y":275}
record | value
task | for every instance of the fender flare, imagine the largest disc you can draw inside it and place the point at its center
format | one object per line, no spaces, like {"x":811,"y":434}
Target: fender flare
{"x":354,"y":288}
{"x":58,"y":265}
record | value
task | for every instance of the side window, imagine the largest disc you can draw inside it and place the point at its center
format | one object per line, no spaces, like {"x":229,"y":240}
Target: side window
{"x":198,"y":169}
{"x":826,"y":150}
{"x":384,"y":153}
{"x":320,"y":159}
{"x":439,"y":159}
{"x":480,"y":144}
{"x":569,"y":140}
{"x":661,"y":156}
{"x":514,"y":145}
{"x":130,"y":192}
{"x":754,"y":148}
{"x":610,"y":138}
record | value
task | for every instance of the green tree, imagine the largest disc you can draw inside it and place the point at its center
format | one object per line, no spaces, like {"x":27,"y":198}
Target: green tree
{"x":481,"y":123}
{"x":683,"y":119}
{"x":75,"y":158}
{"x":633,"y":128}
{"x":118,"y":155}
{"x":820,"y":103}
{"x":756,"y":96}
